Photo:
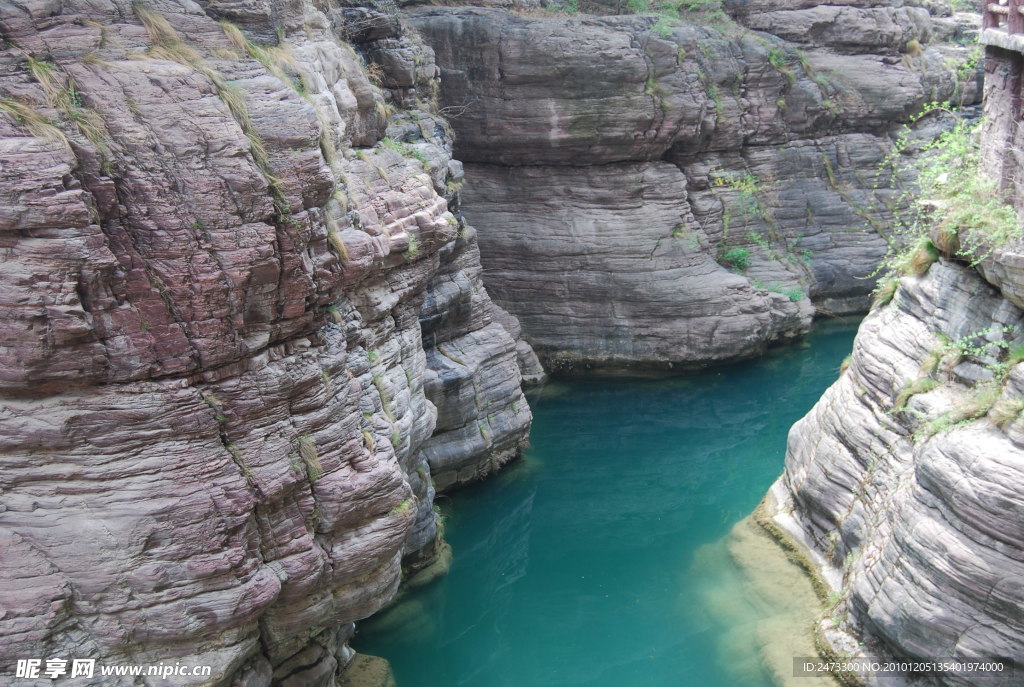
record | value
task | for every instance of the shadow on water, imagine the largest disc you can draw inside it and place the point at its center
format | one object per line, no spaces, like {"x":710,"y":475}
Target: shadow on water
{"x":611,"y":554}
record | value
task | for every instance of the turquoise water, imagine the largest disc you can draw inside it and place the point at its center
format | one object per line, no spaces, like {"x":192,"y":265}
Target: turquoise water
{"x":587,"y":562}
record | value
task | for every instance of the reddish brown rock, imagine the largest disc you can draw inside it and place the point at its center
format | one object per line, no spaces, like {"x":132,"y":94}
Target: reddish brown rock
{"x":213,"y":412}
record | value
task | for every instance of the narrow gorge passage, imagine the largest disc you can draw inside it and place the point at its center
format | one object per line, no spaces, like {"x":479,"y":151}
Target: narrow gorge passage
{"x":631,"y":580}
{"x":277,"y":279}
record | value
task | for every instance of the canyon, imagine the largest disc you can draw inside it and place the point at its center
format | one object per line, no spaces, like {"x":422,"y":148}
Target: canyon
{"x":275,"y":274}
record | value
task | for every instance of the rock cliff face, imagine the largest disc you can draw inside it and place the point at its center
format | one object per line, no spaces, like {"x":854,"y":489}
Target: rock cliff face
{"x":245,"y":329}
{"x":664,"y":194}
{"x":902,"y":484}
{"x":909,"y":501}
{"x":241,"y":327}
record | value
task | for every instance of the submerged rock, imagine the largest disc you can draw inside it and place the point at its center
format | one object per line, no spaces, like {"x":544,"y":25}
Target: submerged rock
{"x":765,"y":601}
{"x":366,"y":671}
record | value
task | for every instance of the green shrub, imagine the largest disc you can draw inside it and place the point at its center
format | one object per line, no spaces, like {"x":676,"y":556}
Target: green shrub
{"x":949,"y":199}
{"x":736,"y":258}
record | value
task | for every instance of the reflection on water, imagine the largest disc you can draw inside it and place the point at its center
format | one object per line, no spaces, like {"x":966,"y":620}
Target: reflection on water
{"x":605,"y":558}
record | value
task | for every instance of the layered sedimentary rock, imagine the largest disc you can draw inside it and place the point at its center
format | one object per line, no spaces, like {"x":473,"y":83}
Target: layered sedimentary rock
{"x":473,"y":374}
{"x":218,"y":404}
{"x":710,"y":175}
{"x":902,"y":483}
{"x":851,"y":26}
{"x":631,"y":282}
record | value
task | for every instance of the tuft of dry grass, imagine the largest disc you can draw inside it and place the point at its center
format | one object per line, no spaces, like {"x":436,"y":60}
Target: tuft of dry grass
{"x":159,"y":29}
{"x":383,"y":109}
{"x":37,"y":124}
{"x":46,"y":76}
{"x":167,"y":44}
{"x":930,"y":365}
{"x":918,"y":386}
{"x":62,"y":93}
{"x":1005,"y":411}
{"x":311,"y":457}
{"x":334,"y":236}
{"x":175,"y":52}
{"x":981,"y":401}
{"x":279,"y":60}
{"x":922,"y":258}
{"x":339,"y":245}
{"x":369,"y":442}
{"x":845,"y":365}
{"x":327,"y":147}
{"x":235,"y":36}
{"x":947,"y":241}
{"x":341,"y":196}
{"x":91,"y":125}
{"x":375,"y":73}
{"x":886,"y":291}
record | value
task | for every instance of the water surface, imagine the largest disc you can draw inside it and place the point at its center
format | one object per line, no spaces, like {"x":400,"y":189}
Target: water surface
{"x":603,"y":558}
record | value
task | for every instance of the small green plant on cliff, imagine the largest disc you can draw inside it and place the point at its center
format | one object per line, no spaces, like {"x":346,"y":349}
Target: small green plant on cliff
{"x":714,"y":98}
{"x":777,"y":59}
{"x":963,"y":5}
{"x":385,"y":397}
{"x":735,"y":258}
{"x":741,"y":193}
{"x":406,"y":150}
{"x":670,"y":11}
{"x":950,"y":208}
{"x":413,"y":251}
{"x":990,"y":347}
{"x":965,"y":71}
{"x":404,"y":507}
{"x":662,"y":28}
{"x":793,"y":293}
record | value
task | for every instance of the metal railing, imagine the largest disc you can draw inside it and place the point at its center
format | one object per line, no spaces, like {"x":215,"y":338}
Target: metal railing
{"x":1005,"y":14}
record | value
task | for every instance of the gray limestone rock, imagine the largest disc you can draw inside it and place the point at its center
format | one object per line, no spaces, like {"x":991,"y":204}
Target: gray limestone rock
{"x":570,"y":127}
{"x":621,"y":253}
{"x":908,"y":501}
